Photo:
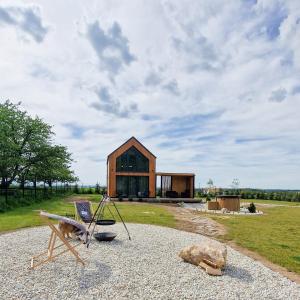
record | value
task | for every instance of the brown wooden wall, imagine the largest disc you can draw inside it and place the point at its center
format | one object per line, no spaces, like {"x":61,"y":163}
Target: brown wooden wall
{"x":232,"y":204}
{"x":111,"y":168}
{"x":213,"y":205}
{"x":179,"y":184}
{"x":182,"y":183}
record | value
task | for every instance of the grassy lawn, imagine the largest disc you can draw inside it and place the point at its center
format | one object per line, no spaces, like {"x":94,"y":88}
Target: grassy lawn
{"x":274,"y":235}
{"x":259,"y":201}
{"x":131,"y":212}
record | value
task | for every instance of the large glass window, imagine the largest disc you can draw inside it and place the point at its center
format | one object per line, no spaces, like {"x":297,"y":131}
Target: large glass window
{"x":133,"y":186}
{"x":132,"y":161}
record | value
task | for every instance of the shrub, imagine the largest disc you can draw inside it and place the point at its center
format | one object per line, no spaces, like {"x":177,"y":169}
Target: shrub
{"x":252,"y":208}
{"x":103,"y":191}
{"x":97,"y":188}
{"x":76,"y":189}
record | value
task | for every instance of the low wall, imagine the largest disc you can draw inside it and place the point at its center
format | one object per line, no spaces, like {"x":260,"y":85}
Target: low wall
{"x":230,"y":203}
{"x":213,"y":205}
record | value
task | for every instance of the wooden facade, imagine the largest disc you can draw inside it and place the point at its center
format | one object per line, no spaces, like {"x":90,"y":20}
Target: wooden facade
{"x":232,"y":203}
{"x":134,"y":175}
{"x":112,"y":170}
{"x":182,"y":185}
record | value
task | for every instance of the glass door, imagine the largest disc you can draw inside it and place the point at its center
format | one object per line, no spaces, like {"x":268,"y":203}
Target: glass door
{"x":133,"y":186}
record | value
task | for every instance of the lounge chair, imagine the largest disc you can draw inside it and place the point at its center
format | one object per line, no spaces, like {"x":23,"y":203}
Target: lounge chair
{"x":83,"y":211}
{"x":50,"y":254}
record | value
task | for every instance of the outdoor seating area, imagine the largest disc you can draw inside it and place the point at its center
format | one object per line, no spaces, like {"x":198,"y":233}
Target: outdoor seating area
{"x":144,"y":267}
{"x":176,"y":185}
{"x":57,"y":234}
{"x":149,"y":150}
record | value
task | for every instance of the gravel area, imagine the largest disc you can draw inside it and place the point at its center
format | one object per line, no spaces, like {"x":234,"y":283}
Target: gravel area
{"x":202,"y":207}
{"x":148,"y":267}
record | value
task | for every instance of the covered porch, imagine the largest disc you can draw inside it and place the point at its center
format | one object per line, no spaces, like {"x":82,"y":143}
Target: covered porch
{"x":176,"y":185}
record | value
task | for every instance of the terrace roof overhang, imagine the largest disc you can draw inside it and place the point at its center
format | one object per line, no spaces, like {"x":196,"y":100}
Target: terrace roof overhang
{"x":174,"y":174}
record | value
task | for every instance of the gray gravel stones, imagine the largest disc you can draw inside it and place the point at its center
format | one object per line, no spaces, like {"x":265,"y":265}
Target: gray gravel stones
{"x":148,"y":267}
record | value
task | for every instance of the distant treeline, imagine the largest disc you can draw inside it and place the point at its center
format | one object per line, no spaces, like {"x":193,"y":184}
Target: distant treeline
{"x":97,"y":189}
{"x":17,"y":196}
{"x":279,"y":195}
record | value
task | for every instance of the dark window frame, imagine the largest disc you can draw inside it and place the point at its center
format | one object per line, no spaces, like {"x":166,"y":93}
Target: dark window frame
{"x":132,"y":160}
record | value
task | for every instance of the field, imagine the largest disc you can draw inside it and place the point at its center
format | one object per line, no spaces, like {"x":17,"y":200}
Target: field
{"x":274,"y":235}
{"x":258,"y":201}
{"x":131,"y":212}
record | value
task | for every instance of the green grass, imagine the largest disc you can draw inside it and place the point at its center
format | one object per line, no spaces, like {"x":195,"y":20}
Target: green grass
{"x":274,"y":235}
{"x":260,"y":201}
{"x":27,"y":216}
{"x":131,"y":212}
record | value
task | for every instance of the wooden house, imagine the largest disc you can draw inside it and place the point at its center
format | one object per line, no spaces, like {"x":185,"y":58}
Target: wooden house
{"x":131,"y":173}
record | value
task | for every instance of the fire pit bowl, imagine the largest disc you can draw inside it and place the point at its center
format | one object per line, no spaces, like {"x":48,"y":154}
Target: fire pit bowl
{"x":105,"y":236}
{"x":105,"y":222}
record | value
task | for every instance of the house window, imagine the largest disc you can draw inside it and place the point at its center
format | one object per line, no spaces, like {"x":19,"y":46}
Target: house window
{"x":132,"y":161}
{"x":133,"y":186}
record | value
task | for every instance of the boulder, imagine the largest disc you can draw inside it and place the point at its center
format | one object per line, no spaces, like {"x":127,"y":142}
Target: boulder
{"x":209,"y":252}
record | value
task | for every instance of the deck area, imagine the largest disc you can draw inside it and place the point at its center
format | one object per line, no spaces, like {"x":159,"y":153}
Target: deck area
{"x":160,"y":200}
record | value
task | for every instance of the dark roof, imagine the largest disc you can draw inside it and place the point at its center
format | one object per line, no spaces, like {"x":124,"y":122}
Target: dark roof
{"x":127,"y":142}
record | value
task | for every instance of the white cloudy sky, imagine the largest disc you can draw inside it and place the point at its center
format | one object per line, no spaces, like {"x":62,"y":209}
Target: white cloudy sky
{"x":210,"y":87}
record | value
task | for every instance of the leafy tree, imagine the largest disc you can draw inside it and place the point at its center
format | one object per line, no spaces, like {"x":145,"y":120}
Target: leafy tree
{"x":54,"y":165}
{"x":26,"y":150}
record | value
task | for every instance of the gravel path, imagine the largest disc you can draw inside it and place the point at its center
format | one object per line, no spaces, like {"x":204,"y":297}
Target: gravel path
{"x":145,"y":268}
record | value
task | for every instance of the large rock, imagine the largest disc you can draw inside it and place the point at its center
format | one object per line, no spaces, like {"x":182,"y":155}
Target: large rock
{"x":209,"y":252}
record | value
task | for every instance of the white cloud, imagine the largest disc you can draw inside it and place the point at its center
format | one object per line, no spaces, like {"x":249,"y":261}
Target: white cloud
{"x":26,"y":19}
{"x":111,"y":47}
{"x":209,"y":87}
{"x":278,"y":95}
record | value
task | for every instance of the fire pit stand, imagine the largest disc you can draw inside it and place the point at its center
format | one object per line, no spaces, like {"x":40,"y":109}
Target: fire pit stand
{"x":98,"y":219}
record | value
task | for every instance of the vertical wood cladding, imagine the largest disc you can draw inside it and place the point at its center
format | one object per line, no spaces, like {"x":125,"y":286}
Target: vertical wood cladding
{"x":181,"y":183}
{"x":112,"y":173}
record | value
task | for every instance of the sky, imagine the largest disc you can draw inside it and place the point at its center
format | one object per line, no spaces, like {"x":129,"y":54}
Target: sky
{"x":209,"y":87}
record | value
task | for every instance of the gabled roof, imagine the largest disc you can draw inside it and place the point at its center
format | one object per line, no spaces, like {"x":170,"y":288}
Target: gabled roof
{"x":136,"y":140}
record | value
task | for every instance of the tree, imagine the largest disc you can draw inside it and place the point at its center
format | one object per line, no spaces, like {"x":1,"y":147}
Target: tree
{"x":76,"y":189}
{"x":90,"y":190}
{"x":26,"y":150}
{"x":54,"y":165}
{"x":97,"y":188}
